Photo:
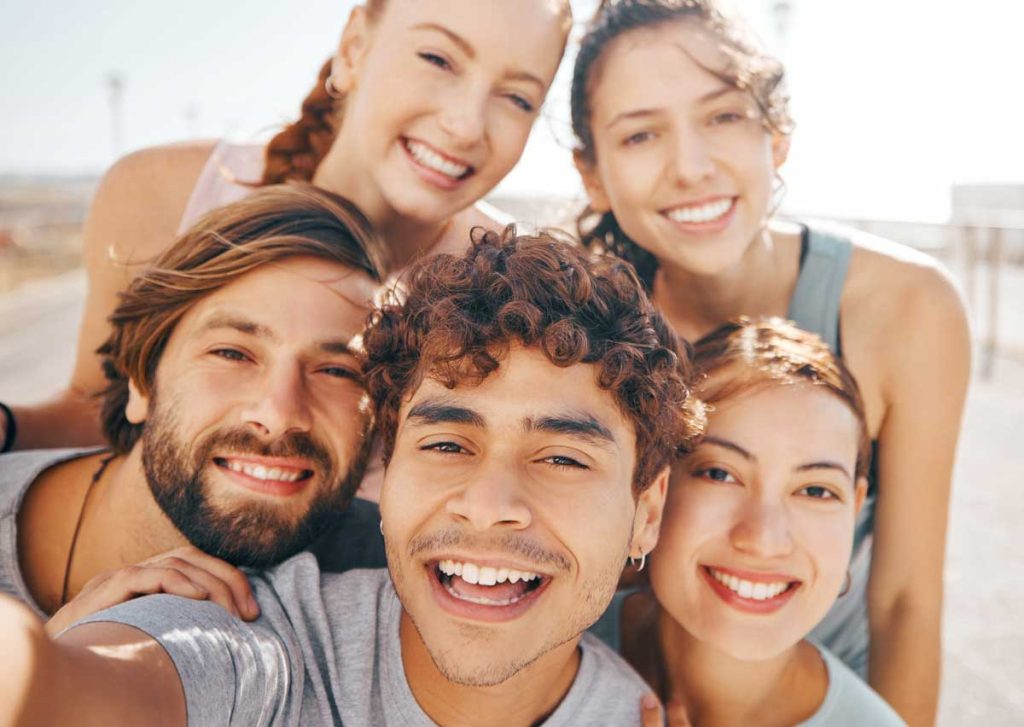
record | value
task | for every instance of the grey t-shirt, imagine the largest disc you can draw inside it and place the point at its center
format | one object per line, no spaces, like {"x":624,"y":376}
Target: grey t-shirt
{"x":18,"y":470}
{"x":326,"y":651}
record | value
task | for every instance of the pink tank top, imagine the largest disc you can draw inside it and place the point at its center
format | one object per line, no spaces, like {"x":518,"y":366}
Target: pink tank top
{"x":227,"y":176}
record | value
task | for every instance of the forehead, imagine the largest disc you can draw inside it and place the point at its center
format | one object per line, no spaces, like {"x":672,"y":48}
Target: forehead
{"x":519,"y":35}
{"x":780,"y":421}
{"x":678,"y":60}
{"x":297,"y":297}
{"x":527,"y":386}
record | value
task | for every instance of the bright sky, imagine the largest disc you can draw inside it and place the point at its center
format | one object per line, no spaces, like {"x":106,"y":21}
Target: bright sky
{"x":895,"y":100}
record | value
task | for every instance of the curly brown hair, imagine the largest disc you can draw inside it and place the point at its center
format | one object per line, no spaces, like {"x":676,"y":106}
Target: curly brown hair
{"x":745,"y":354}
{"x":458,"y":316}
{"x":271,"y":224}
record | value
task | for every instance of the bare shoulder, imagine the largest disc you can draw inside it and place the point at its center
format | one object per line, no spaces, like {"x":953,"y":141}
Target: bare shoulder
{"x":897,"y":283}
{"x":141,"y":198}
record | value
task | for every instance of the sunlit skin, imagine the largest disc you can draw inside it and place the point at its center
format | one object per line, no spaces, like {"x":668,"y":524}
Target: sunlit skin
{"x":531,"y":469}
{"x":669,"y":133}
{"x":465,"y":78}
{"x":770,"y":495}
{"x":770,"y":491}
{"x":270,"y":369}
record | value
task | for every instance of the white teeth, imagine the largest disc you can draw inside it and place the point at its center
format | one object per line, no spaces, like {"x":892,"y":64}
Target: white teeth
{"x":484,"y":575}
{"x":260,"y":472}
{"x":429,"y":158}
{"x":749,"y":589}
{"x":707,"y":212}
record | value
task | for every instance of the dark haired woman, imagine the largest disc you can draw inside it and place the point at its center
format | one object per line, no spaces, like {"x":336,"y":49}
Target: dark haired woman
{"x":422,"y":110}
{"x":682,"y":126}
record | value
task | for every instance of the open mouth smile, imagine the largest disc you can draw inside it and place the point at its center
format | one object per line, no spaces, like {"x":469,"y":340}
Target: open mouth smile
{"x":751,"y":593}
{"x":483,"y":592}
{"x":435,"y":166}
{"x":267,"y":476}
{"x":710,"y":214}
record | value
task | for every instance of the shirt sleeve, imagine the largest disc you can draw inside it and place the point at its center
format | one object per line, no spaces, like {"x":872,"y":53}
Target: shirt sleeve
{"x":234,"y":673}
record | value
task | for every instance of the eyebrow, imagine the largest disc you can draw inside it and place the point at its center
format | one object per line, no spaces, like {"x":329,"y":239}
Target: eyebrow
{"x":576,"y":424}
{"x":433,"y":411}
{"x":732,"y":446}
{"x":724,"y":90}
{"x":468,"y":49}
{"x":236,"y":323}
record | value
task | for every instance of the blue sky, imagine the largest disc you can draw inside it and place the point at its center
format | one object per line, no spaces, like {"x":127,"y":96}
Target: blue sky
{"x":895,"y":99}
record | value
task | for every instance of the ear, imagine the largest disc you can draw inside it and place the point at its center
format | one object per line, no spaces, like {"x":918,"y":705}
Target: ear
{"x":780,"y":149}
{"x":859,"y":493}
{"x":138,"y":404}
{"x":591,"y":182}
{"x":647,"y":520}
{"x":347,"y":61}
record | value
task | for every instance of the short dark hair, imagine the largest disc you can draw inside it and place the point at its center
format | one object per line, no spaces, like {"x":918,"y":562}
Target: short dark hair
{"x":458,"y":316}
{"x":269,"y":225}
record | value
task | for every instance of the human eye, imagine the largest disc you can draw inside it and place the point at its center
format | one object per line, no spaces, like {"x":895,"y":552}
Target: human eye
{"x":444,"y":447}
{"x":435,"y":59}
{"x":561,"y":461}
{"x":521,"y":102}
{"x":341,"y":372}
{"x":715,"y":474}
{"x":230,"y":354}
{"x":638,"y":137}
{"x":818,"y":492}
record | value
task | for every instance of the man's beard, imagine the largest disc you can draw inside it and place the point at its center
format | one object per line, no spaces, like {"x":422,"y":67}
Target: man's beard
{"x":255,"y":534}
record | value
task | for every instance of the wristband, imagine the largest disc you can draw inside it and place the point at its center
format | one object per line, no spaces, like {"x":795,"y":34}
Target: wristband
{"x":12,"y":429}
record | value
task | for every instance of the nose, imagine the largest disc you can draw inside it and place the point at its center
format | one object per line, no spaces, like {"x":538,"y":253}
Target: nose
{"x":492,"y":497}
{"x":280,"y":404}
{"x":463,"y":115}
{"x":692,"y":160}
{"x":763,"y":530}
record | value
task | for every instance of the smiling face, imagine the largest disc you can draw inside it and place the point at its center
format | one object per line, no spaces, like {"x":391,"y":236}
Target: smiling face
{"x":681,"y":157}
{"x":759,"y":520}
{"x":440,"y":99}
{"x":253,"y":432}
{"x":508,"y":514}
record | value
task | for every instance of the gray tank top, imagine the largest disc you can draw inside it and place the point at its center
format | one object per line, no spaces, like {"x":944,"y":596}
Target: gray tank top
{"x":814,"y":307}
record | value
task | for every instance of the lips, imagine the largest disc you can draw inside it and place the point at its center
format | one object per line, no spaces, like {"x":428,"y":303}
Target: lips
{"x":267,"y":475}
{"x":436,"y":167}
{"x":481,"y":591}
{"x":751,"y":592}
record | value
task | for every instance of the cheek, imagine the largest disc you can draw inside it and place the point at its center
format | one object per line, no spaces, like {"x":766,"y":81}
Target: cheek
{"x":828,"y":539}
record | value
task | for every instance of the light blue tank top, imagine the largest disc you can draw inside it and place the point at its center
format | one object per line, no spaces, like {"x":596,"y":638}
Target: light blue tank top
{"x":814,"y":307}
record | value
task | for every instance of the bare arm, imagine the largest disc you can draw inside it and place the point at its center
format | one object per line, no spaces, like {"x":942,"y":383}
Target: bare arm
{"x":134,"y":216}
{"x":925,"y":383}
{"x":97,"y":674}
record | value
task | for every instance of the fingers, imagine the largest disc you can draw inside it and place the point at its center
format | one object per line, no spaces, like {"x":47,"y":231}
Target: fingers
{"x":651,"y":713}
{"x":109,"y":589}
{"x":220,"y":574}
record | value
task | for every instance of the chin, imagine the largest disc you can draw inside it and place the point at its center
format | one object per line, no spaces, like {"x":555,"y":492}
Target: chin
{"x":752,"y":644}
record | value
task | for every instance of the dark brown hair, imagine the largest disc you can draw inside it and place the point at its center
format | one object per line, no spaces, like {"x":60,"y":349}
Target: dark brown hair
{"x":750,"y":69}
{"x":745,"y":354}
{"x":460,"y":315}
{"x":297,"y":150}
{"x":270,"y":225}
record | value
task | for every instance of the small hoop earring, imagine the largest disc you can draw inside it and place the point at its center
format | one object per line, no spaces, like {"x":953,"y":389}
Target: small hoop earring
{"x":643,"y":562}
{"x":330,"y":89}
{"x":381,"y":527}
{"x":846,"y":585}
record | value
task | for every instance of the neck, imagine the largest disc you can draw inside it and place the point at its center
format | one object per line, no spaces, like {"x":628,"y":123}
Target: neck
{"x":760,"y":284}
{"x":525,"y":699}
{"x":719,"y":689}
{"x":122,"y":524}
{"x":407,"y":239}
